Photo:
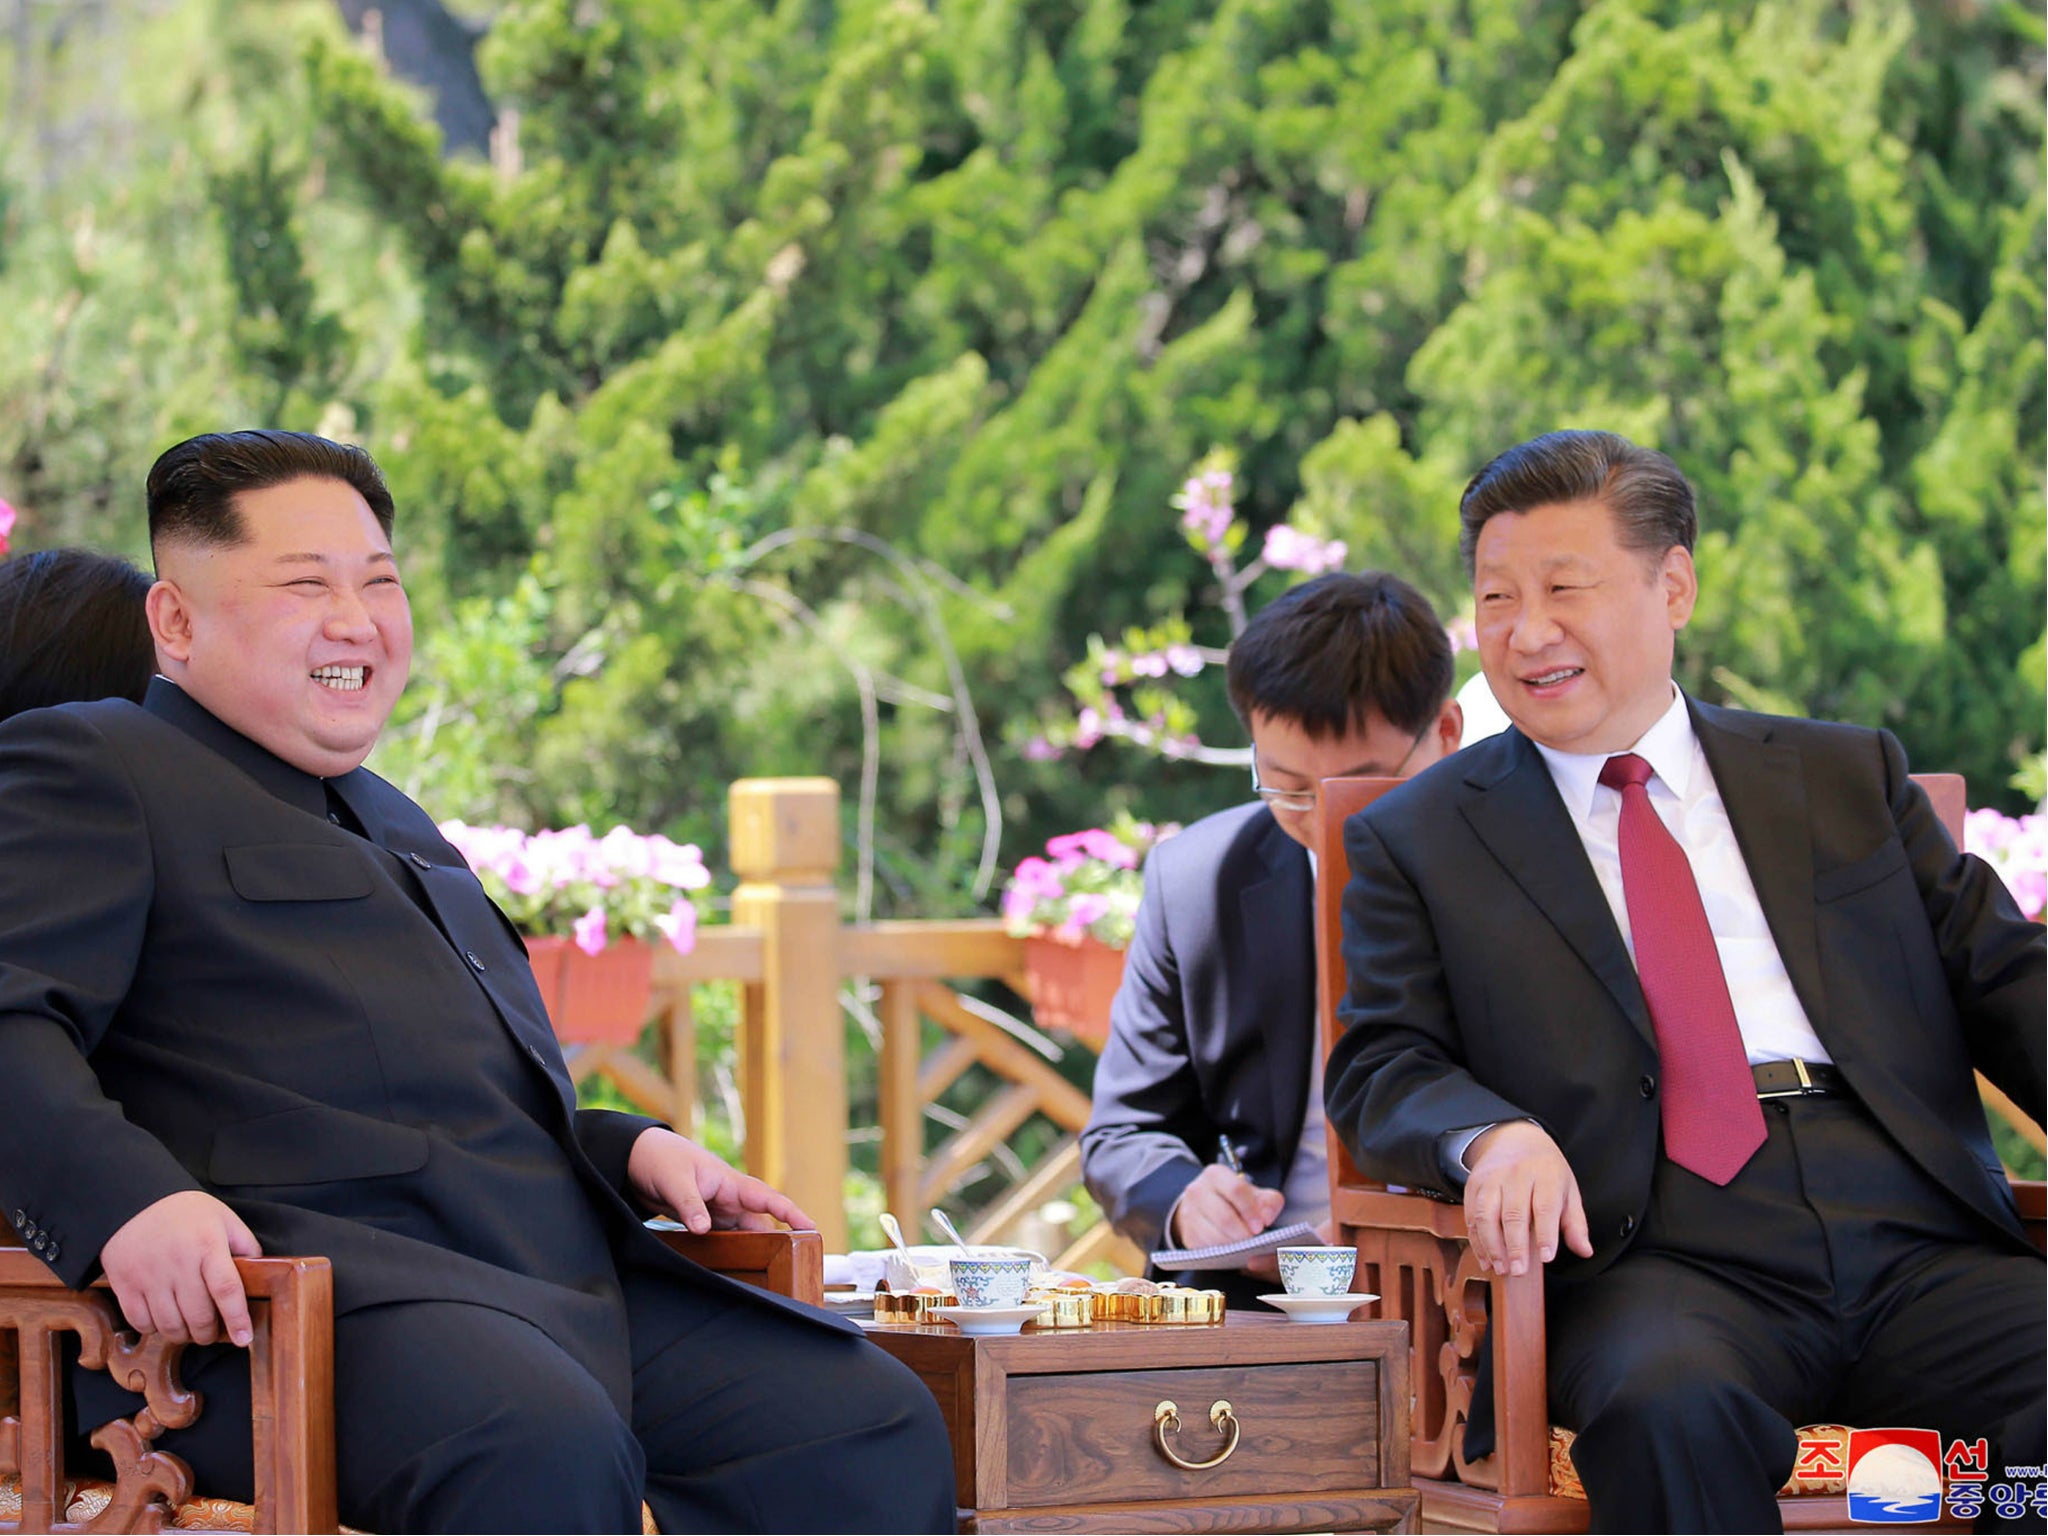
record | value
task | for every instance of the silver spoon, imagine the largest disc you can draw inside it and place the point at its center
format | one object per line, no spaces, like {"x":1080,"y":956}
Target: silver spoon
{"x":945,"y":1224}
{"x":894,"y":1232}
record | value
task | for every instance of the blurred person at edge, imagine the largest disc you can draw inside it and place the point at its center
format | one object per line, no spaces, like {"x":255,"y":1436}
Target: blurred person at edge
{"x":72,"y":628}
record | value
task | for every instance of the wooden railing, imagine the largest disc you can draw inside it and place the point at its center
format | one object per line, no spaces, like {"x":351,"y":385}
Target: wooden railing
{"x":790,"y":955}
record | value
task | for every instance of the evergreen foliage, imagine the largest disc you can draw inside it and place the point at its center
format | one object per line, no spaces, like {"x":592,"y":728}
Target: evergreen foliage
{"x":798,"y":336}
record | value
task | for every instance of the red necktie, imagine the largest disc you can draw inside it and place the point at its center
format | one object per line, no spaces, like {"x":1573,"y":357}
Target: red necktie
{"x":1712,"y":1121}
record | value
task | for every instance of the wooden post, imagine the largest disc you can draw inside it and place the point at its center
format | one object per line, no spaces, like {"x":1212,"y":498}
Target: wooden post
{"x":785,"y":849}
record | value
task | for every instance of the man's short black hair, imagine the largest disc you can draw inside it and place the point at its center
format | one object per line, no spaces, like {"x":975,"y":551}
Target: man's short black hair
{"x":1649,"y":496}
{"x":1334,"y":652}
{"x":72,"y":628}
{"x":192,"y":487}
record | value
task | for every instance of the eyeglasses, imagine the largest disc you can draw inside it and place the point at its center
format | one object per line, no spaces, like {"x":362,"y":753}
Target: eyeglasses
{"x":1302,"y":801}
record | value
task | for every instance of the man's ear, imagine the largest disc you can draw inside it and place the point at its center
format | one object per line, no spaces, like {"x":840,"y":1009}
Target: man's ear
{"x":1681,"y":584}
{"x":1450,"y":726}
{"x":170,"y":621}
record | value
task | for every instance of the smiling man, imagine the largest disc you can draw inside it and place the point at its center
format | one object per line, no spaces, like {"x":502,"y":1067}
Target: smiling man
{"x":1213,"y":1032}
{"x":1686,"y":1001}
{"x":252,"y":1002}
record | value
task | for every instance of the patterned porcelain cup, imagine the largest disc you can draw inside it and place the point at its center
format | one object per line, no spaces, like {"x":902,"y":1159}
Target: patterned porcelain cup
{"x":991,"y":1282}
{"x":1321,"y":1271}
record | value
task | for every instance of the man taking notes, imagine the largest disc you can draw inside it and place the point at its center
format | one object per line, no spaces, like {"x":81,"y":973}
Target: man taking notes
{"x":1207,"y":1126}
{"x":1686,"y":1000}
{"x":250,"y":1001}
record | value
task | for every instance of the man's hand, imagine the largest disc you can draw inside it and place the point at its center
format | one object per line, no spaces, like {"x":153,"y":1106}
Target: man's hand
{"x":1520,"y":1197}
{"x":1223,"y":1207}
{"x":674,"y":1176}
{"x":172,"y":1267}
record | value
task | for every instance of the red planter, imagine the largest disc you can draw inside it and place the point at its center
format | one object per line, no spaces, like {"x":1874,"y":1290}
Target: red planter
{"x":600,"y":998}
{"x":1072,"y":985}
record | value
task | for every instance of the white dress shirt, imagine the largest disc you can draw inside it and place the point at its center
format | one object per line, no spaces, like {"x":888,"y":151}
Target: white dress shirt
{"x":1682,"y":791}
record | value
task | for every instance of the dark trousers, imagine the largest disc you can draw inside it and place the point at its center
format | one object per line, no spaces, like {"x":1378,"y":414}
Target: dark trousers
{"x":452,"y":1417}
{"x":1830,"y":1282}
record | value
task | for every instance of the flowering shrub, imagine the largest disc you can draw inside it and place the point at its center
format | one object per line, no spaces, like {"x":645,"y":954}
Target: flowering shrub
{"x":2017,"y":847}
{"x":573,"y":885}
{"x":1150,"y":715}
{"x":1087,"y":886}
{"x":6,"y":525}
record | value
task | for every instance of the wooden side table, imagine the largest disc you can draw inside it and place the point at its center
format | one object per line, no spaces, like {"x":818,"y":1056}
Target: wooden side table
{"x":1061,"y":1430}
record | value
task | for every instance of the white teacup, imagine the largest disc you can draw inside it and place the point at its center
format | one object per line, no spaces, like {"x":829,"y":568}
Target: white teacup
{"x":1320,"y":1271}
{"x":991,"y":1282}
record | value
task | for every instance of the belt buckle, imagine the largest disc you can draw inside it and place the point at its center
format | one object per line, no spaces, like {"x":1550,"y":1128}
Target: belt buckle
{"x":1806,"y":1084}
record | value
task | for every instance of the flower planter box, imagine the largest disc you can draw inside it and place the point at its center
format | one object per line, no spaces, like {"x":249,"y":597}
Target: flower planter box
{"x":1072,"y":985}
{"x":598,"y":999}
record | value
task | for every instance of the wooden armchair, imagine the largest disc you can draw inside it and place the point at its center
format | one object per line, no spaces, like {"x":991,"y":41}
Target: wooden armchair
{"x":292,"y":1366}
{"x":1413,"y":1253}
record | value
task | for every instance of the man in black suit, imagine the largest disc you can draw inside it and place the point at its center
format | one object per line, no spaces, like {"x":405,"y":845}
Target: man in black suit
{"x":1213,"y":1036}
{"x":1770,"y":1177}
{"x":251,"y":1001}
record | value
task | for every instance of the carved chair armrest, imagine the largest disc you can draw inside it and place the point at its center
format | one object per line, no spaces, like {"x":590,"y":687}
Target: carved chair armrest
{"x":787,"y":1263}
{"x":1413,"y":1252}
{"x":291,"y":1364}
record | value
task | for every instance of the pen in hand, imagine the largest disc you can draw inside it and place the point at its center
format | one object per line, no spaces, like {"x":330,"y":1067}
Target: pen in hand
{"x":1226,"y":1156}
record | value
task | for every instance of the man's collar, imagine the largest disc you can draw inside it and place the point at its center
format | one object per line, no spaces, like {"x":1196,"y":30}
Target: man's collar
{"x":170,"y":703}
{"x":1666,"y":746}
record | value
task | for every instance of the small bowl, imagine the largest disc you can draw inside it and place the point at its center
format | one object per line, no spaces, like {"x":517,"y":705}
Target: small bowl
{"x":999,"y":1281}
{"x":1320,"y":1271}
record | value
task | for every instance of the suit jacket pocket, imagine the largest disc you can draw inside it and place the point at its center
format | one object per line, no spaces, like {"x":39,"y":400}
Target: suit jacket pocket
{"x":313,"y":1145}
{"x":1847,"y":879}
{"x":297,"y":872}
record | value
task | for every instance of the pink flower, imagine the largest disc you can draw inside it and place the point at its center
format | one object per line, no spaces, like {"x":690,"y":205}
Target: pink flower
{"x":6,"y":525}
{"x":680,"y":926}
{"x":1289,"y":549}
{"x":1463,"y":634}
{"x":624,"y":853}
{"x":1087,"y":729}
{"x":1039,"y":750}
{"x":678,"y":864}
{"x":1184,"y":659}
{"x":590,"y":934}
{"x":1151,"y":664}
{"x":1086,"y":908}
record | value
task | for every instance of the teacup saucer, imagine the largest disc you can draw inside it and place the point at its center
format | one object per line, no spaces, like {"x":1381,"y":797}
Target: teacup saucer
{"x":981,"y":1321}
{"x":1319,"y":1309}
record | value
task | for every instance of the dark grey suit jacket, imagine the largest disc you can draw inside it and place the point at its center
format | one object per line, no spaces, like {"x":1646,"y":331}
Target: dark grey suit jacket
{"x":206,"y":983}
{"x":1488,"y":980}
{"x":1212,"y":1029}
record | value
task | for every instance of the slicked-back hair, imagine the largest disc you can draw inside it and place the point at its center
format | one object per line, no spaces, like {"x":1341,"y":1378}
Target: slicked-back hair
{"x":1648,"y":495}
{"x":72,"y":629}
{"x":1334,"y":652}
{"x":192,"y":487}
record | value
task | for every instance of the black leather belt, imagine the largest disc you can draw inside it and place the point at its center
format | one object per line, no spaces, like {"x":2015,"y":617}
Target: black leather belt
{"x":1796,"y":1079}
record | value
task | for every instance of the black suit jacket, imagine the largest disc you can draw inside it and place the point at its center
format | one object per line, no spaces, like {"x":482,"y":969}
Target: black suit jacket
{"x":1488,"y":980}
{"x":1212,"y":1028}
{"x":207,"y":983}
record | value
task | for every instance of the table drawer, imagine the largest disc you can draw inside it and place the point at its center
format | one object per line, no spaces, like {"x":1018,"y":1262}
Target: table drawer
{"x":1303,"y":1427}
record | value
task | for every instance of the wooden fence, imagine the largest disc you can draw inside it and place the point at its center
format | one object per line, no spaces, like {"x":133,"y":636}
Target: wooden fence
{"x":790,"y":954}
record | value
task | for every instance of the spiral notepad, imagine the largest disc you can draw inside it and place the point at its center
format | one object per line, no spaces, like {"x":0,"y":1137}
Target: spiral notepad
{"x":1232,"y":1255}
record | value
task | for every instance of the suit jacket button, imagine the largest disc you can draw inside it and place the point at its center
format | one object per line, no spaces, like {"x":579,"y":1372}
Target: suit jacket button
{"x":421,"y":860}
{"x":470,"y":956}
{"x":50,"y":1253}
{"x":20,"y":1217}
{"x":1628,"y":1225}
{"x":1648,"y":1086}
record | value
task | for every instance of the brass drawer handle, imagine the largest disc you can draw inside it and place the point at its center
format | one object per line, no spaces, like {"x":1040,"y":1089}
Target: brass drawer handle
{"x":1166,"y":1421}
